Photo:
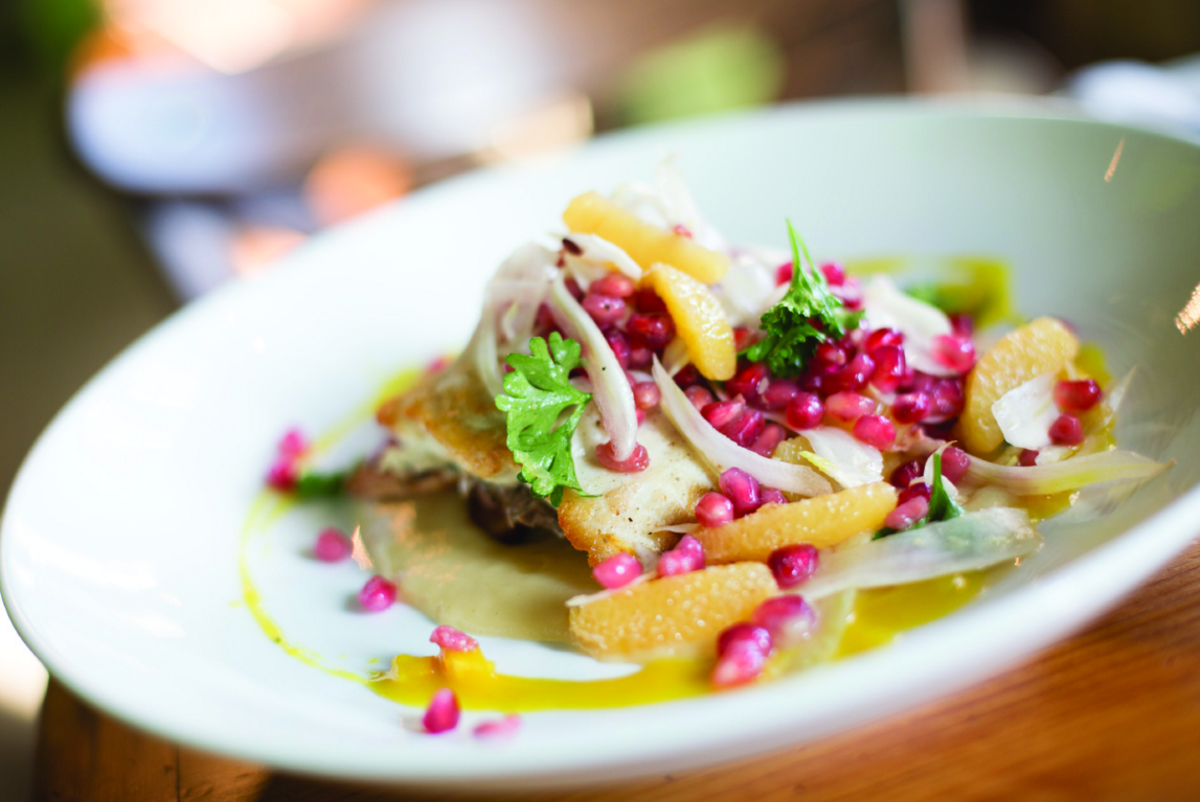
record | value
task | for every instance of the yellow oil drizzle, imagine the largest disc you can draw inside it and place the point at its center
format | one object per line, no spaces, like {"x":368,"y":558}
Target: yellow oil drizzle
{"x":474,"y":680}
{"x":267,"y":509}
{"x":882,"y":614}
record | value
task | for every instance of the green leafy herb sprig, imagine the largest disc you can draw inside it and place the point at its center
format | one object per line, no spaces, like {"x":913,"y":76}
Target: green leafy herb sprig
{"x":791,"y":336}
{"x":941,"y":506}
{"x":536,"y":393}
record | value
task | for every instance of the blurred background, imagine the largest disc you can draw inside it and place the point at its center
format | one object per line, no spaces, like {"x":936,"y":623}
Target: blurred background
{"x":151,"y":150}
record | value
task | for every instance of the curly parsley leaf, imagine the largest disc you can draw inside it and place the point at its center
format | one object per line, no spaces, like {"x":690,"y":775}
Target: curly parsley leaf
{"x":941,"y":506}
{"x":808,"y":315}
{"x":537,"y":393}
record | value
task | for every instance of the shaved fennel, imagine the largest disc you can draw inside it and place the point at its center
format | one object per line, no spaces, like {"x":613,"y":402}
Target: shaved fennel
{"x":967,"y":543}
{"x":887,"y":307}
{"x":721,"y":453}
{"x":1069,"y":474}
{"x":611,"y":390}
{"x":843,"y":458}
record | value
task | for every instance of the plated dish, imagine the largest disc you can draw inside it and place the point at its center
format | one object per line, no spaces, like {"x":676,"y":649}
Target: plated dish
{"x":133,"y":595}
{"x":739,"y":441}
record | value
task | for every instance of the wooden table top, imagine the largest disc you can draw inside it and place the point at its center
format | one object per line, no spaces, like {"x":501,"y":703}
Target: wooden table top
{"x":1113,"y":713}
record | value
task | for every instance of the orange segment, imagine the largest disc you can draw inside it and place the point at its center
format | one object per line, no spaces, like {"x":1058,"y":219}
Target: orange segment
{"x":676,"y":616}
{"x":592,"y":213}
{"x":1037,"y":348}
{"x":822,"y":521}
{"x":699,"y":320}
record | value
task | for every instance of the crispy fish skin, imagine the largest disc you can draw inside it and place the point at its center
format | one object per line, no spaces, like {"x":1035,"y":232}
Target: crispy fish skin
{"x":453,"y":407}
{"x":454,"y":410}
{"x":630,"y":509}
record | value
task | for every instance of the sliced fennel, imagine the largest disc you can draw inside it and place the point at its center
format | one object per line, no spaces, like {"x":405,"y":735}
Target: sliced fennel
{"x":1069,"y":474}
{"x":968,"y":543}
{"x":610,"y":388}
{"x":720,"y":453}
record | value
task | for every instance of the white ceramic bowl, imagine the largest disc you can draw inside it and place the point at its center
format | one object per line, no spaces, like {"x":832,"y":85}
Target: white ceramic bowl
{"x":120,"y":537}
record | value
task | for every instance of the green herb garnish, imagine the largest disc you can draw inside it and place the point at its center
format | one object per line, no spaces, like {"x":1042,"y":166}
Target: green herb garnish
{"x":941,"y":506}
{"x":312,"y":484}
{"x":537,"y":393}
{"x":808,"y":315}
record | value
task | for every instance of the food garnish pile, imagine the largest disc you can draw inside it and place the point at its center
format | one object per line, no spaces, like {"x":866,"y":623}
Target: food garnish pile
{"x":737,"y":438}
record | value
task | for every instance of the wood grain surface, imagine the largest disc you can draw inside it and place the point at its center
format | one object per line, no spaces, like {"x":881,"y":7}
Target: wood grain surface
{"x":1111,"y":714}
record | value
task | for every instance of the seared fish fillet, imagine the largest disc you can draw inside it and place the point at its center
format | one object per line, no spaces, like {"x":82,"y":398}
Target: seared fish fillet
{"x":449,"y":418}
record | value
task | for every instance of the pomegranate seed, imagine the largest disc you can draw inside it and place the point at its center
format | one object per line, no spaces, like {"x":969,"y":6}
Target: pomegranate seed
{"x":962,"y":324}
{"x":773,"y":496}
{"x":813,"y":382}
{"x":882,"y":337}
{"x":453,"y":640}
{"x":805,"y":411}
{"x":756,"y":636}
{"x":687,"y":556}
{"x":641,"y":416}
{"x":617,"y":571}
{"x":378,"y":594}
{"x":903,"y":476}
{"x":699,"y":396}
{"x":742,"y":489}
{"x":442,"y":714}
{"x":955,"y":464}
{"x":889,"y":367}
{"x":1066,"y":430}
{"x":714,"y":509}
{"x":619,"y":344}
{"x":922,"y":382}
{"x":772,"y":435}
{"x":848,"y":407}
{"x":911,"y":407}
{"x":750,"y":383}
{"x":293,"y":444}
{"x":875,"y":430}
{"x":741,"y":338}
{"x":544,"y":323}
{"x":856,"y":373}
{"x":687,"y":376}
{"x":499,"y":728}
{"x":574,"y":288}
{"x":332,"y":546}
{"x":792,"y":565}
{"x":282,"y":475}
{"x":741,"y":663}
{"x":906,"y":381}
{"x":647,"y":301}
{"x":616,"y":285}
{"x":783,"y":274}
{"x":746,"y":429}
{"x":830,"y":353}
{"x":907,"y":514}
{"x":1077,"y":396}
{"x":1027,"y":458}
{"x":919,"y":490}
{"x":604,"y":309}
{"x":654,"y":331}
{"x":834,"y":274}
{"x":789,"y":619}
{"x":639,"y":355}
{"x":722,"y":413}
{"x":646,"y":395}
{"x":947,"y":398}
{"x":636,"y":462}
{"x":779,"y":393}
{"x":956,"y":353}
